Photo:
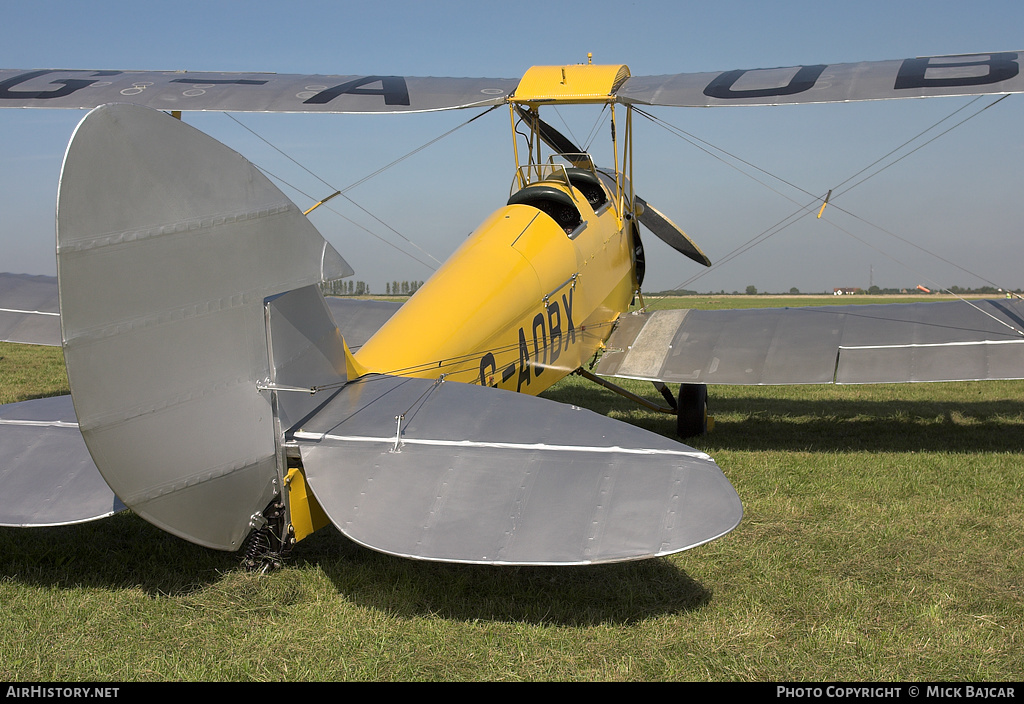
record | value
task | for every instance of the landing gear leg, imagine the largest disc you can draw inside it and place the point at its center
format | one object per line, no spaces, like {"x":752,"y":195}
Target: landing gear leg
{"x":265,"y":549}
{"x":692,"y":410}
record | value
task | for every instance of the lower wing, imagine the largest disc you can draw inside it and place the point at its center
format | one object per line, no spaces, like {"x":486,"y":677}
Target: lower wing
{"x":849,"y":344}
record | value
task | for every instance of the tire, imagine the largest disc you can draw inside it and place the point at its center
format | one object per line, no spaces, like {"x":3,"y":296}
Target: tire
{"x":692,"y":410}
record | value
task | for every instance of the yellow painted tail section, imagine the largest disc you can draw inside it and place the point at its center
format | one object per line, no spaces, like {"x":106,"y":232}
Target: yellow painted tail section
{"x":306,"y":514}
{"x":353,"y":368}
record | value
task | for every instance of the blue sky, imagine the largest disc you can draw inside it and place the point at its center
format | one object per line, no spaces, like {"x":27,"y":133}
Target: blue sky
{"x":958,"y":197}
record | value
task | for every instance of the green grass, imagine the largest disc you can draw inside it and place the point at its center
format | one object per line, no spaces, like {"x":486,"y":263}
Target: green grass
{"x":27,"y":371}
{"x":882,"y":540}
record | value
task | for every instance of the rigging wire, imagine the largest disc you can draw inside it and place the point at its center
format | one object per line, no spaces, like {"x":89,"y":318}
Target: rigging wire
{"x":893,"y":234}
{"x":342,"y":191}
{"x":921,"y":146}
{"x":804,"y":210}
{"x":566,"y":124}
{"x":347,"y":219}
{"x":596,"y":128}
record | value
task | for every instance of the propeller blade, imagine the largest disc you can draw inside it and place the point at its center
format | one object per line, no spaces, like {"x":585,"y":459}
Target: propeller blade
{"x":669,"y":233}
{"x":651,"y":217}
{"x":558,"y":142}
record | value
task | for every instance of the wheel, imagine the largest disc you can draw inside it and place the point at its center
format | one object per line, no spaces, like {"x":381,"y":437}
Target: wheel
{"x":692,"y":410}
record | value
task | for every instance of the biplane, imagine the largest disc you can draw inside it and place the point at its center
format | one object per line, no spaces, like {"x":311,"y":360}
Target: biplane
{"x":219,"y":395}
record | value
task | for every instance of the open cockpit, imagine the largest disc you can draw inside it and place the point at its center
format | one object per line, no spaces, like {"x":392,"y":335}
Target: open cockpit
{"x":555,"y":190}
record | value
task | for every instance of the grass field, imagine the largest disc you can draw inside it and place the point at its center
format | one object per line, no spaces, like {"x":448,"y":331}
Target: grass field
{"x":882,"y":540}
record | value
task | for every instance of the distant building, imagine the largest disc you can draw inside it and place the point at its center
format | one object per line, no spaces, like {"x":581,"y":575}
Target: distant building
{"x":846,"y":291}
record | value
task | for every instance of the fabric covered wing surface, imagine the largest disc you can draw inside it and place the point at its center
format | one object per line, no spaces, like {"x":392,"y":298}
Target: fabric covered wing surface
{"x":247,"y":92}
{"x":29,"y":311}
{"x":948,"y":341}
{"x":921,"y":77}
{"x":479,"y":475}
{"x":47,"y":474}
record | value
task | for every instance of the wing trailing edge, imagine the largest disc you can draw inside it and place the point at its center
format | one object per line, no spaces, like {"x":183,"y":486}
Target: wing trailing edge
{"x":247,"y":92}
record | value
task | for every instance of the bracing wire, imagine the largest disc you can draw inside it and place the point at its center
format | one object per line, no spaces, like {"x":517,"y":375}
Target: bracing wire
{"x":804,"y":210}
{"x":348,"y":219}
{"x":342,"y":191}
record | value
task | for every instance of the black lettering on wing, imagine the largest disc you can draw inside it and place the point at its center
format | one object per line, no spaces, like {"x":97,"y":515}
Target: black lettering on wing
{"x":392,"y":88}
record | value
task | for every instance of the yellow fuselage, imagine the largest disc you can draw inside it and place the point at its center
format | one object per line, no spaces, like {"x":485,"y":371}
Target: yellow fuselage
{"x":518,"y":306}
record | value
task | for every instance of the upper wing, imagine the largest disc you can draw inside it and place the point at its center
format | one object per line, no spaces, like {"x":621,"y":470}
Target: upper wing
{"x":929,"y":76}
{"x":246,"y":92}
{"x":854,"y":344}
{"x":922,"y":77}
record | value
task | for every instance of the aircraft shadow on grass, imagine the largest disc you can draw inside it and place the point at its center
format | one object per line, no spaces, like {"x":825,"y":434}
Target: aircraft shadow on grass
{"x":832,"y":424}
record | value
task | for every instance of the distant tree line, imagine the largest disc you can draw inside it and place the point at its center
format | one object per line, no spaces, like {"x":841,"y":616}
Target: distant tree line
{"x":347,"y":287}
{"x":983,"y":290}
{"x":403,"y":288}
{"x":343,"y":287}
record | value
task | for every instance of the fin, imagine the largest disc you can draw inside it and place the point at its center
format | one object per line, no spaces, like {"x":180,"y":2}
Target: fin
{"x":460,"y":473}
{"x":307,"y":351}
{"x":168,"y":246}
